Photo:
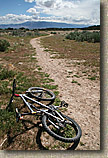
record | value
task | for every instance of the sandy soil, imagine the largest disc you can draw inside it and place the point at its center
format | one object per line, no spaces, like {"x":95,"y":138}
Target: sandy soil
{"x":83,"y":98}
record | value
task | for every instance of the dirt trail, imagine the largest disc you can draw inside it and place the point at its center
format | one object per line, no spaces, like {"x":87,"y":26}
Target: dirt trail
{"x":83,"y":98}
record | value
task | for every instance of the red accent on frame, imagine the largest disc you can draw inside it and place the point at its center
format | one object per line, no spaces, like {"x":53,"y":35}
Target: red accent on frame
{"x":17,"y":95}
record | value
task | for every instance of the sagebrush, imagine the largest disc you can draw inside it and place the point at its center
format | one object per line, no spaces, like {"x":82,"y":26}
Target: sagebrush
{"x":84,"y":36}
{"x":4,"y":44}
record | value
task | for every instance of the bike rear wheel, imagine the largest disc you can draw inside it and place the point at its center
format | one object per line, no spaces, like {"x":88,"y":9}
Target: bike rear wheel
{"x":69,"y":130}
{"x":41,"y":94}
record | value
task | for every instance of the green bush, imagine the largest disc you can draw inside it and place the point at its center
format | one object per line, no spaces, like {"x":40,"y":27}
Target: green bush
{"x":4,"y":45}
{"x":24,"y":33}
{"x":84,"y":36}
{"x":29,"y":34}
{"x":53,"y":33}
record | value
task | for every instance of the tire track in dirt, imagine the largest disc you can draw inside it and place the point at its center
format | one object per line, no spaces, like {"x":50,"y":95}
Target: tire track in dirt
{"x":83,"y":99}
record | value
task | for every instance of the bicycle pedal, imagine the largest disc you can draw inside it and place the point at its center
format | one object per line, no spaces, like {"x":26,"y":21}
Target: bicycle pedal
{"x":63,"y":103}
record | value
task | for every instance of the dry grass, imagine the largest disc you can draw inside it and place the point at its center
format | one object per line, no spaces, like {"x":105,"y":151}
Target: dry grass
{"x":90,"y":52}
{"x":20,"y":58}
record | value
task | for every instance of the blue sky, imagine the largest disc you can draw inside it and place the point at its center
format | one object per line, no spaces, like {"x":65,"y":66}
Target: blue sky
{"x":68,"y":11}
{"x":14,"y":7}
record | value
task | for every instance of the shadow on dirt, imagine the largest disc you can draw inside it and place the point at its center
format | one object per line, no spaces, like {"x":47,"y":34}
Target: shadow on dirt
{"x":41,"y":147}
{"x":11,"y":139}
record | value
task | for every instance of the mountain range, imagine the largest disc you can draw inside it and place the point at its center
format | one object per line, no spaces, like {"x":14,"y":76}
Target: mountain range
{"x":41,"y":25}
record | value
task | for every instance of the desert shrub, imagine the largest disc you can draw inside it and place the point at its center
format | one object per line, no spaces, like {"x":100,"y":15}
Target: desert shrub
{"x":96,"y":37}
{"x":36,"y":33}
{"x":18,"y":32}
{"x":84,"y":36}
{"x":4,"y":44}
{"x":29,"y":34}
{"x":24,"y":33}
{"x":53,"y":33}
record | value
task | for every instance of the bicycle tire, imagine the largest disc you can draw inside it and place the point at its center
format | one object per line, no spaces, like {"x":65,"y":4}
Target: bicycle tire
{"x":57,"y":135}
{"x":50,"y":95}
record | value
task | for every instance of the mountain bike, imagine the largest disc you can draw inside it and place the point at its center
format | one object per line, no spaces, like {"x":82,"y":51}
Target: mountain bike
{"x":55,"y":123}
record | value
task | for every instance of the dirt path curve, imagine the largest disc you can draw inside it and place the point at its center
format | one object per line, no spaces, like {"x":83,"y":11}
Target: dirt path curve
{"x":83,"y":99}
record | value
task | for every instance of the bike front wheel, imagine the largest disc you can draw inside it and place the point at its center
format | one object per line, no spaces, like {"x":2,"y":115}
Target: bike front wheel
{"x":67,"y":131}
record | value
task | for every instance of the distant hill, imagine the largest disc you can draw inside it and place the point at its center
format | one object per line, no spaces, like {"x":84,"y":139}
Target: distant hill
{"x":94,"y":27}
{"x":41,"y":25}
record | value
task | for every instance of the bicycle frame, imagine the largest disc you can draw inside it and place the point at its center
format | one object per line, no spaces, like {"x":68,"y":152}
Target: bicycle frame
{"x":49,"y":113}
{"x":50,"y":110}
{"x":30,"y":106}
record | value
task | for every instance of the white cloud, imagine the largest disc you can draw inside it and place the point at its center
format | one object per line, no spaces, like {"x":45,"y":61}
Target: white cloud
{"x":12,"y":18}
{"x":32,"y":11}
{"x":69,"y":11}
{"x":45,"y":3}
{"x":30,"y":1}
{"x":79,"y":11}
